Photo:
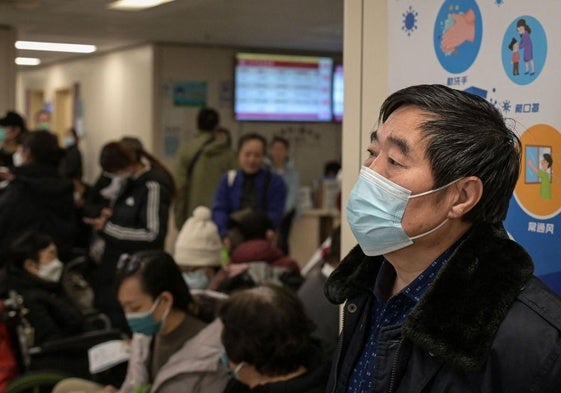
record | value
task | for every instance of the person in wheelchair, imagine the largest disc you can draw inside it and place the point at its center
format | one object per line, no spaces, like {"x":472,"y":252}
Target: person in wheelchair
{"x":173,"y":348}
{"x":34,"y":272}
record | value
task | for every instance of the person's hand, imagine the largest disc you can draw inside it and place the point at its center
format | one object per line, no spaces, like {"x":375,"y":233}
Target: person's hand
{"x":227,"y":243}
{"x":109,"y":389}
{"x":5,"y":174}
{"x":99,"y":223}
{"x":463,"y":30}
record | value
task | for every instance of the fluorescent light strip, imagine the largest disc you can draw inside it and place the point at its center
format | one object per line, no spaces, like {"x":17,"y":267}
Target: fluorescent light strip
{"x":55,"y":47}
{"x":30,"y":61}
{"x":135,"y":5}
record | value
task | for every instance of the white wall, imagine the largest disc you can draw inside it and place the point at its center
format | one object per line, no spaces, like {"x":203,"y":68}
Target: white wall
{"x":366,"y":86}
{"x":116,"y":92}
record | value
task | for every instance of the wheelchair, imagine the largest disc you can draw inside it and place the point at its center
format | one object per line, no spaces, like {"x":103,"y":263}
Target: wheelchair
{"x":39,"y":368}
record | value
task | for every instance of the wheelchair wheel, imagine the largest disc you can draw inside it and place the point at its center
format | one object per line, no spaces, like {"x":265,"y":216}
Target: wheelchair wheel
{"x":35,"y":382}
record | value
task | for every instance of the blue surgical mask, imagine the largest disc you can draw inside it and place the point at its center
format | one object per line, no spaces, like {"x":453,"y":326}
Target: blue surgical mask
{"x":2,"y":134}
{"x":144,"y":322}
{"x":375,"y":210}
{"x":196,"y":279}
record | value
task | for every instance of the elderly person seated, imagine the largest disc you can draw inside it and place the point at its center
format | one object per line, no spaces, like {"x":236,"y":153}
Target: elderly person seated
{"x":268,"y":343}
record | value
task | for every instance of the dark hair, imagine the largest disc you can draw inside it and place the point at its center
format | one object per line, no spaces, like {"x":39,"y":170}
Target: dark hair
{"x":116,"y":156}
{"x":512,"y":42}
{"x":43,"y":147}
{"x":207,"y":119}
{"x":547,"y":157}
{"x":72,"y":130}
{"x":467,"y":136}
{"x":266,"y":327}
{"x":282,"y":140}
{"x":252,"y":136}
{"x":27,"y":246}
{"x":135,"y":146}
{"x":331,"y":167}
{"x":157,"y":272}
{"x":254,"y":225}
{"x":522,"y":23}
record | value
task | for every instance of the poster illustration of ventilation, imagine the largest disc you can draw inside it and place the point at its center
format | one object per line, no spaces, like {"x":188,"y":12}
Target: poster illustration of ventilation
{"x":503,"y":51}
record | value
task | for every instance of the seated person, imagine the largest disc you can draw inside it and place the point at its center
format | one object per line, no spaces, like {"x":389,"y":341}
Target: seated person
{"x":198,"y":249}
{"x":268,"y":343}
{"x":34,"y":273}
{"x":324,"y":314}
{"x":179,"y":352}
{"x":256,"y":255}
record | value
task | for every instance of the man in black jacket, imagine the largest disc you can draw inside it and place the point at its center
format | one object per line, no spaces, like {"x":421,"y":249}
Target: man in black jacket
{"x":438,"y":298}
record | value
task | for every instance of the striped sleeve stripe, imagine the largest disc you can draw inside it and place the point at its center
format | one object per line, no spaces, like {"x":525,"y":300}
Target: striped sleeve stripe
{"x":152,"y":220}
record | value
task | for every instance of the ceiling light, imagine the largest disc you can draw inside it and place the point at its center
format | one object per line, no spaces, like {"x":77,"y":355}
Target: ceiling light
{"x":135,"y":5}
{"x":31,"y":61}
{"x":55,"y":47}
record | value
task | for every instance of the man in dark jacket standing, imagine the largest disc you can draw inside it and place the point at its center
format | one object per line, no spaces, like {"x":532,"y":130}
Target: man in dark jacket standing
{"x":438,"y":298}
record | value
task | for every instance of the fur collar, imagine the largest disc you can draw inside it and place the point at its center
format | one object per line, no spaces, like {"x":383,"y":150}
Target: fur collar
{"x":459,"y":315}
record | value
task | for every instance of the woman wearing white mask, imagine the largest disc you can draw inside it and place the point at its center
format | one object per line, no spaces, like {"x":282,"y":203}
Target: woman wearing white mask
{"x":179,"y":351}
{"x":136,"y":218}
{"x":198,"y":249}
{"x":34,"y":272}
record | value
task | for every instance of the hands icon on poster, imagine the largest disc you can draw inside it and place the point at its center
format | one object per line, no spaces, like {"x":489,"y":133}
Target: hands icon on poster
{"x":461,"y":31}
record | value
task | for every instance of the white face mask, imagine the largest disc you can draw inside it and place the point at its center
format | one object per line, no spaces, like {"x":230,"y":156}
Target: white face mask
{"x":196,"y":279}
{"x":114,"y":188}
{"x":375,"y":210}
{"x":17,"y":158}
{"x":51,"y":271}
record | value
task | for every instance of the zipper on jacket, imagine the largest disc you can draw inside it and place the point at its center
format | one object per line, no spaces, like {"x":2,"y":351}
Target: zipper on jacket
{"x":394,"y":367}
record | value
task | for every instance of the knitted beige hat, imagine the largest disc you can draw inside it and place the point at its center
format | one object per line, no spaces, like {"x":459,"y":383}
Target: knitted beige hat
{"x":198,"y":242}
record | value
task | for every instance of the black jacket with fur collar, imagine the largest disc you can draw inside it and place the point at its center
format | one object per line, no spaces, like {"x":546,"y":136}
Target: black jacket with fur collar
{"x":485,"y":325}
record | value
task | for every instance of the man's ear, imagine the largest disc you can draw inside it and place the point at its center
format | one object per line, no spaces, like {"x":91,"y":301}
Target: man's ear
{"x":469,"y":192}
{"x":30,"y":266}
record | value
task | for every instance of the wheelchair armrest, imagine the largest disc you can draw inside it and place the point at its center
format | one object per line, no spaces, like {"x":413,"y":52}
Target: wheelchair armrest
{"x":81,"y":342}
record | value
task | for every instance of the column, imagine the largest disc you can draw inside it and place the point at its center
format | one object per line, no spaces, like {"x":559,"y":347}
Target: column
{"x":7,"y":68}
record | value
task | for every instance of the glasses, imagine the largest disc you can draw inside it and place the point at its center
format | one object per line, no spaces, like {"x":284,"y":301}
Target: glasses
{"x":128,"y":263}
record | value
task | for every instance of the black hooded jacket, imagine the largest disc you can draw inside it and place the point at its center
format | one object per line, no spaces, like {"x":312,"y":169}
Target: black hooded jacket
{"x":39,"y":199}
{"x":485,"y":325}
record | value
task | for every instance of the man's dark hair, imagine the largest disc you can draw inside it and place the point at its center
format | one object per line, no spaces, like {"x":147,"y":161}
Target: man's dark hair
{"x":282,"y":140}
{"x":27,"y":246}
{"x":43,"y":147}
{"x":467,"y":136}
{"x":157,"y":272}
{"x":251,"y":137}
{"x":254,"y":225}
{"x":207,"y":119}
{"x":268,"y":328}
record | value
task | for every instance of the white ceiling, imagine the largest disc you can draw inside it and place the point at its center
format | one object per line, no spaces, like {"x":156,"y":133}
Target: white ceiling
{"x":311,"y":25}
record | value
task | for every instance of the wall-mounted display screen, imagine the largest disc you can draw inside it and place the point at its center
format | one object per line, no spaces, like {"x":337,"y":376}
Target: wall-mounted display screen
{"x":338,"y":93}
{"x":282,"y":88}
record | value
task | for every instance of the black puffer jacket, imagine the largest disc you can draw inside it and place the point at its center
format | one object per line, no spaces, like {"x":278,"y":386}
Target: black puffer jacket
{"x":38,"y":198}
{"x":486,"y":324}
{"x":51,"y":313}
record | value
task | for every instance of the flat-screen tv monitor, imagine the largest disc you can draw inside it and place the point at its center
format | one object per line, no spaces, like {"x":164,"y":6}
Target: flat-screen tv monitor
{"x":271,"y":87}
{"x":338,"y":93}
